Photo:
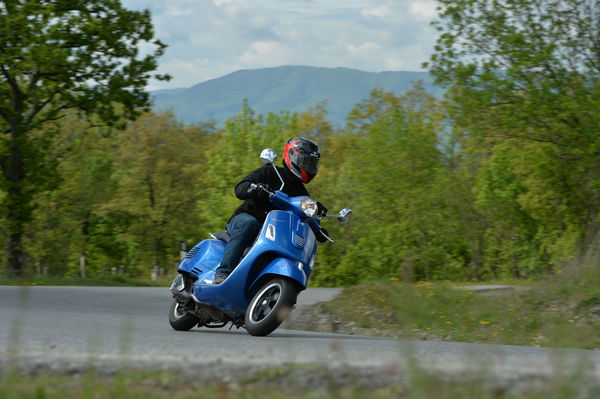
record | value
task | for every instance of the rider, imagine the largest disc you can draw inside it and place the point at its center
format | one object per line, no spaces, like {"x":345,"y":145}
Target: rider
{"x":300,"y":165}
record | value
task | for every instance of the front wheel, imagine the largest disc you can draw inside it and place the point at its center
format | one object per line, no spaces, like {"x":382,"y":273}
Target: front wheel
{"x":270,"y":306}
{"x":179,"y":319}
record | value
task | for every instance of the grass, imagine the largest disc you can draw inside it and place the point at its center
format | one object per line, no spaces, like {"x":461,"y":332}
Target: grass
{"x":134,"y":386}
{"x":163,"y":385}
{"x":560,"y":311}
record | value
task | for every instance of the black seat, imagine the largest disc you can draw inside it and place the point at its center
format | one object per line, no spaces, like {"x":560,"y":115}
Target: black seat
{"x":223,"y":235}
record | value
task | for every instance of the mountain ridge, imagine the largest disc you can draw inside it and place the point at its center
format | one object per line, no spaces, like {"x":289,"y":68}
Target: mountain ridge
{"x":284,"y":88}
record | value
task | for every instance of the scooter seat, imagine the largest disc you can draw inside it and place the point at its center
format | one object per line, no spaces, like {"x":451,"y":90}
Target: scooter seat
{"x":223,"y":235}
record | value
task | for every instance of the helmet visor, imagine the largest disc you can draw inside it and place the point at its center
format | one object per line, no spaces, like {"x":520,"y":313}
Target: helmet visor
{"x":308,"y":163}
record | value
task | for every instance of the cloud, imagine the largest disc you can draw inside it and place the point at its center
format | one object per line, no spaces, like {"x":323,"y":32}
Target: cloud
{"x":378,"y":12}
{"x":211,"y":38}
{"x":365,"y":49}
{"x":221,"y":2}
{"x":425,"y":10}
{"x":276,"y":53}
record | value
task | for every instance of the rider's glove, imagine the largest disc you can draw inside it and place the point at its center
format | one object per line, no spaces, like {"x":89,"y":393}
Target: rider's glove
{"x":321,"y":210}
{"x":321,"y":236}
{"x":257,"y":190}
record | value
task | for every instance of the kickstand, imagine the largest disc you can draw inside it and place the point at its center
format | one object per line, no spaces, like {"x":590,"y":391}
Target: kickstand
{"x":231,"y":326}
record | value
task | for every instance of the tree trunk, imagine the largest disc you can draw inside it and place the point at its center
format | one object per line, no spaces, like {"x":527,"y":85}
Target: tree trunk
{"x":157,"y":250}
{"x":16,"y":216}
{"x":18,"y":204}
{"x":15,"y":254}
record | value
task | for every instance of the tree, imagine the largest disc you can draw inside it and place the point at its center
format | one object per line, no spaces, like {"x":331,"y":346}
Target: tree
{"x":66,"y":221}
{"x":156,"y":172}
{"x":529,"y":72}
{"x":536,"y":64}
{"x":388,"y":180}
{"x":233,"y":154}
{"x":57,"y":55}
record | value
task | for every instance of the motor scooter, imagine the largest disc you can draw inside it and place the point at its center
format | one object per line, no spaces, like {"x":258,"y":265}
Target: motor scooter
{"x":262,"y":290}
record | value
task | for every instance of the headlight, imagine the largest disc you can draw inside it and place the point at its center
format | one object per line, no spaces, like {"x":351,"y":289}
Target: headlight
{"x":178,"y":284}
{"x":308,"y":206}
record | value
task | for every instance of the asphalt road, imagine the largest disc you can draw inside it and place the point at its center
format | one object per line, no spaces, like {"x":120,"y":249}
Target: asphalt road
{"x":67,"y":329}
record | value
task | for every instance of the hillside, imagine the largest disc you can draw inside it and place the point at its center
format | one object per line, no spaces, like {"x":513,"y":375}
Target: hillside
{"x":293,"y":88}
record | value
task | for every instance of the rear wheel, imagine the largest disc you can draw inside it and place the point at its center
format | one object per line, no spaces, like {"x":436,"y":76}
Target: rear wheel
{"x":270,"y":306}
{"x":179,"y":319}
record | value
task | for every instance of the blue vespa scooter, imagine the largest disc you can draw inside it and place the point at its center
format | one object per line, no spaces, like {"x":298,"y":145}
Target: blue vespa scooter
{"x":262,"y":289}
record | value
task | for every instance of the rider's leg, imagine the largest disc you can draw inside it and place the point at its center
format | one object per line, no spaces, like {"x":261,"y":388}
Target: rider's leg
{"x":243,"y":229}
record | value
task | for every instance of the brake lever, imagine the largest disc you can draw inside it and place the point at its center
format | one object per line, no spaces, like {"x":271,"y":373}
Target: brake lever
{"x":326,"y":236}
{"x":254,"y":185}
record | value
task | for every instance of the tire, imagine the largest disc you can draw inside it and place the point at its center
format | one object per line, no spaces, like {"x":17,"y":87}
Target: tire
{"x":180,"y":320}
{"x":270,"y":306}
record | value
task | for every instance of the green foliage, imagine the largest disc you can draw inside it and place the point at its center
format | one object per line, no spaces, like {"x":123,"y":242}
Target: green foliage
{"x":235,"y":150}
{"x":523,"y":79}
{"x":501,"y":179}
{"x":389,"y":174}
{"x":157,"y":161}
{"x":429,"y":202}
{"x":57,"y":56}
{"x":234,"y":153}
{"x":66,"y":220}
{"x":125,"y":199}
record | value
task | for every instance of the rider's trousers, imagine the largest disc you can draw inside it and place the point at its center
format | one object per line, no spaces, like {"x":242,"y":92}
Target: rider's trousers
{"x":243,"y":229}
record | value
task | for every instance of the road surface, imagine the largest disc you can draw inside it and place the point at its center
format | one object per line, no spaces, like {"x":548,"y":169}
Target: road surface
{"x":67,"y":329}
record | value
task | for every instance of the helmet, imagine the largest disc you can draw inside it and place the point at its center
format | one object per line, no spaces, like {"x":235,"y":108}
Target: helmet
{"x":301,"y":156}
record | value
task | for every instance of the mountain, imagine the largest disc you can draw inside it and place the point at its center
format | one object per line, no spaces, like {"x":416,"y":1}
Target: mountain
{"x":291,"y":88}
{"x":166,"y":94}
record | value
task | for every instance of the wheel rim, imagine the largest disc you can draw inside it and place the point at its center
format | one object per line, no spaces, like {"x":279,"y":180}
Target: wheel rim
{"x":178,"y":312}
{"x":265,"y":302}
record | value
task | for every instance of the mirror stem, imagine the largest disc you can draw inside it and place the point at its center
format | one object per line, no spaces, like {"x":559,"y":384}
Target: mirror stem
{"x":278,"y":175}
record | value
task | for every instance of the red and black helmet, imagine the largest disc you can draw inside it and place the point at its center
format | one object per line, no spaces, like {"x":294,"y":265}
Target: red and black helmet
{"x":301,"y":156}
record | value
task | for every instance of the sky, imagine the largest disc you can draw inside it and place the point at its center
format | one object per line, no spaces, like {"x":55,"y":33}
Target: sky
{"x":208,"y":39}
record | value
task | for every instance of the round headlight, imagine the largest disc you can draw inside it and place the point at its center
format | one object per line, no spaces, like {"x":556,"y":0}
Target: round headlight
{"x":308,"y":206}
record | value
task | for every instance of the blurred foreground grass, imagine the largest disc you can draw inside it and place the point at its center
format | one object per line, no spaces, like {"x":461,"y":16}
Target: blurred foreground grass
{"x":558,"y":311}
{"x":159,"y":385}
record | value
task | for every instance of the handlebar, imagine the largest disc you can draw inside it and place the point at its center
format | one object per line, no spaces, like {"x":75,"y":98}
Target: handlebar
{"x":254,"y":186}
{"x":311,"y":220}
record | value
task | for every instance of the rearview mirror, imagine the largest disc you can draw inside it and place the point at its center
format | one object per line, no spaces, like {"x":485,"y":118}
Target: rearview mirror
{"x":268,"y":156}
{"x":345,"y":215}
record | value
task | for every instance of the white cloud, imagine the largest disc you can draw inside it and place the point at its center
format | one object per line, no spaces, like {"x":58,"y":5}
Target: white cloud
{"x":425,"y":10}
{"x":211,"y":38}
{"x":379,"y":12}
{"x":365,"y":49}
{"x":174,"y":11}
{"x":404,"y":60}
{"x":266,"y":53}
{"x":221,"y":2}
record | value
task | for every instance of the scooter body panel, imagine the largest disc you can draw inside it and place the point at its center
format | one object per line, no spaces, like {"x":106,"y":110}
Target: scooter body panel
{"x":286,"y":247}
{"x":203,"y":258}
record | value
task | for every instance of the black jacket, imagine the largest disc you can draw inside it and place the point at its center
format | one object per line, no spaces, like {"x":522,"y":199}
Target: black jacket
{"x":257,"y":205}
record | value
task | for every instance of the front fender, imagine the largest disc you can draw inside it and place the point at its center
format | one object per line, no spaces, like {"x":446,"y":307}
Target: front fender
{"x":283,"y":267}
